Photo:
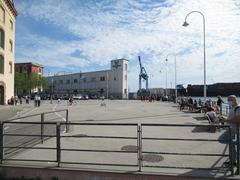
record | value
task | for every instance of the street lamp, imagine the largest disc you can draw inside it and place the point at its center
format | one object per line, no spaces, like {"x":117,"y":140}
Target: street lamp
{"x":175,"y":64}
{"x":166,"y":77}
{"x":52,"y":92}
{"x":107,"y":84}
{"x":204,"y":50}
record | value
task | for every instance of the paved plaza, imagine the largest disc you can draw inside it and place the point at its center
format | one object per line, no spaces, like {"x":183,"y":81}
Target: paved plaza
{"x":122,"y":112}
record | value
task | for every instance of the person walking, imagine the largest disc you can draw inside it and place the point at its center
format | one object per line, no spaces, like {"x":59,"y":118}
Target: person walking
{"x":233,"y":119}
{"x":219,"y":103}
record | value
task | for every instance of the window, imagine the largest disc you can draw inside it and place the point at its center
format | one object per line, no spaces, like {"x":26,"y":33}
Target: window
{"x":84,"y":79}
{"x":10,"y":67}
{"x":125,"y":77}
{"x":126,"y":67}
{"x":2,"y":14}
{"x":1,"y":64}
{"x":115,"y":78}
{"x":61,"y":81}
{"x":75,"y":80}
{"x":10,"y":46}
{"x":68,"y":81}
{"x":93,"y":79}
{"x":102,"y":78}
{"x":1,"y":38}
{"x":11,"y":25}
{"x":125,"y":91}
{"x":40,"y":70}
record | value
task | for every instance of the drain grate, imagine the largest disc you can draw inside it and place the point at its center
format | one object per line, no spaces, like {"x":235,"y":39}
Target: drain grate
{"x":152,"y":158}
{"x":131,"y":148}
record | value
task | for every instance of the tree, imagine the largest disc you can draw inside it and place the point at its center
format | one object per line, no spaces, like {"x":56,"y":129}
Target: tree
{"x":25,"y":83}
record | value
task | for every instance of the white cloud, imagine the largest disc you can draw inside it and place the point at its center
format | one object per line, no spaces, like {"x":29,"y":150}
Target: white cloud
{"x":116,"y":29}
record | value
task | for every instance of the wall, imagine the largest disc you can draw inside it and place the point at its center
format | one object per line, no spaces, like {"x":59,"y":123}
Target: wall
{"x":8,"y":78}
{"x":64,"y":174}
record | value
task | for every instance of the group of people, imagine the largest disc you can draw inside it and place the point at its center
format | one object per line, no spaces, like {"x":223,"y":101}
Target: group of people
{"x":15,"y":100}
{"x":37,"y":100}
{"x":214,"y":111}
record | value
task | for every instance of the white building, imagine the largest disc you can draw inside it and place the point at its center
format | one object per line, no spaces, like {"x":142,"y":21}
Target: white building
{"x":111,"y":83}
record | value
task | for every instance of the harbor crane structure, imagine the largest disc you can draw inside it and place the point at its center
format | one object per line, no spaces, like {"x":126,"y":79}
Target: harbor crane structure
{"x":142,"y":76}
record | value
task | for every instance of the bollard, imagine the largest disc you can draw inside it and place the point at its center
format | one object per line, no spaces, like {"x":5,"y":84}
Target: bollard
{"x":58,"y":143}
{"x":1,"y":142}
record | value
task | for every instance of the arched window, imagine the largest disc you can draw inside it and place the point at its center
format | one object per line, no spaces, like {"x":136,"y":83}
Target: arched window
{"x":1,"y":64}
{"x":2,"y":14}
{"x":2,"y":38}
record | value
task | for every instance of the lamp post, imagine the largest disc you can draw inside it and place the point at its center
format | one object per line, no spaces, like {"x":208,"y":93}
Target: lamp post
{"x":204,"y":50}
{"x":52,"y":92}
{"x":166,"y":77}
{"x":175,"y":65}
{"x":107,"y":84}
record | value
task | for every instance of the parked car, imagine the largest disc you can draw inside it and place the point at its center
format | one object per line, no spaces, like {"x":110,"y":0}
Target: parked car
{"x":93,"y":96}
{"x":85,"y":97}
{"x":78,"y":97}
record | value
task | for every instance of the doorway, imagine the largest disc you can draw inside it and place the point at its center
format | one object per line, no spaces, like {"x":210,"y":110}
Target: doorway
{"x":1,"y":95}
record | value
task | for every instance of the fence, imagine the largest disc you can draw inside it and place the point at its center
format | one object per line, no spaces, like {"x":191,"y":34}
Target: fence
{"x":16,"y":127}
{"x":139,"y":136}
{"x":224,"y":109}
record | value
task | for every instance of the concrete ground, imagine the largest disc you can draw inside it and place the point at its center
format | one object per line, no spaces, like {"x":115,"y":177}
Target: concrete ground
{"x":120,"y":111}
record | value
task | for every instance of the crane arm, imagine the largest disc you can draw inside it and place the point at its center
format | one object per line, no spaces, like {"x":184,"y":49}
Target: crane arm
{"x":140,"y":64}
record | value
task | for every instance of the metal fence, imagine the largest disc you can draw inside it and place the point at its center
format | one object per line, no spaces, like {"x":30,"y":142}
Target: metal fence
{"x":33,"y":128}
{"x":139,"y":137}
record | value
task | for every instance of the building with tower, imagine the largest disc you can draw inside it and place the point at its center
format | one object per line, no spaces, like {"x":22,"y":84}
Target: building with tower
{"x":111,"y":83}
{"x":8,"y":15}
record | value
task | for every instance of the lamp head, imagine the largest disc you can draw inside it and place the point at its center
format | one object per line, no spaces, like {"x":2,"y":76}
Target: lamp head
{"x":166,"y":59}
{"x":185,"y":24}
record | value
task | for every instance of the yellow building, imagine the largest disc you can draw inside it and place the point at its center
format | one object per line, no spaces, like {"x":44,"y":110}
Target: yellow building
{"x":8,"y":15}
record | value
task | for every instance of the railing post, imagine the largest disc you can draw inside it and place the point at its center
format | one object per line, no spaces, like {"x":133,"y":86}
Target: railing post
{"x":1,"y":142}
{"x":42,"y":127}
{"x":238,"y":150}
{"x":58,"y":142}
{"x":231,"y":146}
{"x":67,"y":125}
{"x":139,"y":130}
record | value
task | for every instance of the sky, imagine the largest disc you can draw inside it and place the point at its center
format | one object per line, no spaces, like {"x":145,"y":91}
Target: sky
{"x":81,"y":36}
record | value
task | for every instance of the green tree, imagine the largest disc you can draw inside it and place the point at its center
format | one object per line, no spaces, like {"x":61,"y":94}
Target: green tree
{"x":25,"y":83}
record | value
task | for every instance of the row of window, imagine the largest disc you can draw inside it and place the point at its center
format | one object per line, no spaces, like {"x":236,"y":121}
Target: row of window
{"x":2,"y":40}
{"x":3,"y":17}
{"x":93,"y":79}
{"x":2,"y":65}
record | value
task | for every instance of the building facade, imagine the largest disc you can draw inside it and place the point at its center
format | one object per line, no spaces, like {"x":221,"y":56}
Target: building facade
{"x":8,"y":15}
{"x":111,"y":83}
{"x":29,"y":68}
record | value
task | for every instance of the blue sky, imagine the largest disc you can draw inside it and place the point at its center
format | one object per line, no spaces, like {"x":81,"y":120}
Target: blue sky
{"x":80,"y":35}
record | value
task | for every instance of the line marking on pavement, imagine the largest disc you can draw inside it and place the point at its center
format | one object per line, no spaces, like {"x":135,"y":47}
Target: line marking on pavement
{"x":7,"y":127}
{"x":57,"y":114}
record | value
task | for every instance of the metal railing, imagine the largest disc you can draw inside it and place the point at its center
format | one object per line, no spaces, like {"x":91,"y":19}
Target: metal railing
{"x":138,"y":138}
{"x":224,"y":109}
{"x":35,"y":123}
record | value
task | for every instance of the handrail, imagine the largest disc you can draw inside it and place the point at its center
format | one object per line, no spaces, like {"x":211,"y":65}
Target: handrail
{"x":32,"y":115}
{"x":139,"y":142}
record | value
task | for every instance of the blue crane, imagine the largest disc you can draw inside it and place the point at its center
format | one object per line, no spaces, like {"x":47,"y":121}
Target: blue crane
{"x":142,"y":75}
